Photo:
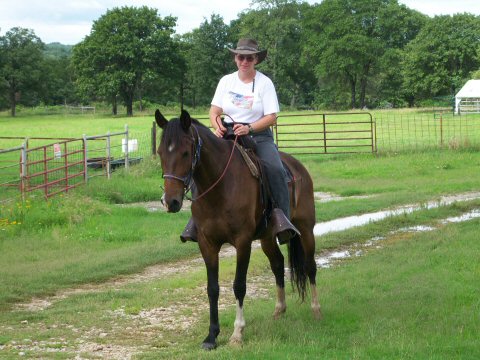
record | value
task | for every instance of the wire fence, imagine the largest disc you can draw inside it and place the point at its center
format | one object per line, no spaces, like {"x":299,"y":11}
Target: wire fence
{"x":55,"y":165}
{"x":422,"y":131}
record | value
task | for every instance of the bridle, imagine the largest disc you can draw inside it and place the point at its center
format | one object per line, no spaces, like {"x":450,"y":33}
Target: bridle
{"x":187,"y":180}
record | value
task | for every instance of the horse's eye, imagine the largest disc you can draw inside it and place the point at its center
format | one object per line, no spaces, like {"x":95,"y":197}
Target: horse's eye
{"x":185,"y":154}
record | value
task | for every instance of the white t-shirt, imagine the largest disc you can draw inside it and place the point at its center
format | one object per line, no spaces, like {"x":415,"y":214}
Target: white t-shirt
{"x":246,"y":103}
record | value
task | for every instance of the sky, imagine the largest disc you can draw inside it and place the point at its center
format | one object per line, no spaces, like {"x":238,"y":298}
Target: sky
{"x":69,"y":21}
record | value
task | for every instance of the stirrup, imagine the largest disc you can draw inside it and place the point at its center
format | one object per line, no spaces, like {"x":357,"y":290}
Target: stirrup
{"x":282,"y":228}
{"x":190,"y":232}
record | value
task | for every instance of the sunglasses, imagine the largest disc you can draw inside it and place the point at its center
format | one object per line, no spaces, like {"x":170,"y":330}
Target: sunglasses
{"x":249,"y":58}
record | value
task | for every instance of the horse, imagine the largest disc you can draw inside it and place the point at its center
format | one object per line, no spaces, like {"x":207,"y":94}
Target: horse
{"x":228,"y":208}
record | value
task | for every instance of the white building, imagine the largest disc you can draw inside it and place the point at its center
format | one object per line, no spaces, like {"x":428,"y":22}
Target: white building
{"x":467,"y":99}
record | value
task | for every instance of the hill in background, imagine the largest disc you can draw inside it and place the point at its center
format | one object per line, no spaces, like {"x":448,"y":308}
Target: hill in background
{"x":56,"y":50}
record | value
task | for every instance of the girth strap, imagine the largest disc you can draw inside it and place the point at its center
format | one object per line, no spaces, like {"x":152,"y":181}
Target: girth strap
{"x":250,"y":164}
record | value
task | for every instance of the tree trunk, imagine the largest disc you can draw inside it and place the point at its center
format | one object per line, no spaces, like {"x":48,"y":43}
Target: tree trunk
{"x":13,"y":103}
{"x":114,"y":105}
{"x":353,"y":91}
{"x":129,"y":104}
{"x":363,"y":84}
{"x":363,"y":87}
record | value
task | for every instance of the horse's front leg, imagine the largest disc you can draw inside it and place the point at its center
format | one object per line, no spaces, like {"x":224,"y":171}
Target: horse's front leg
{"x":210,"y":257}
{"x":240,"y":289}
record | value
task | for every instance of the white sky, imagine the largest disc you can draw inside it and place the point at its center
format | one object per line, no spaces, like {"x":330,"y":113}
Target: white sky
{"x":69,"y":21}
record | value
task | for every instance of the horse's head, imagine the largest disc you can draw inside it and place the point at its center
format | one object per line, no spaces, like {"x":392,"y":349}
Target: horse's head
{"x":178,"y":157}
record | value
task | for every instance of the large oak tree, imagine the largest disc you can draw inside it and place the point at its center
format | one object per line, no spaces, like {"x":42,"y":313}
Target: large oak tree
{"x":127,"y":48}
{"x":20,"y":64}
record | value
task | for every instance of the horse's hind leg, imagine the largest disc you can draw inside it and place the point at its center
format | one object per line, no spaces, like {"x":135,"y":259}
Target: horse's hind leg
{"x":240,"y":289}
{"x":277,"y":264}
{"x":308,"y":244}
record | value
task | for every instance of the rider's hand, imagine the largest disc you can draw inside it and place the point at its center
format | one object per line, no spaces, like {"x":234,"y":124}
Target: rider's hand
{"x":240,"y":129}
{"x":220,"y":131}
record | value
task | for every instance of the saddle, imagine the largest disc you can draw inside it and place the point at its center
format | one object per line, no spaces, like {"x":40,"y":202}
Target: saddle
{"x":247,"y":149}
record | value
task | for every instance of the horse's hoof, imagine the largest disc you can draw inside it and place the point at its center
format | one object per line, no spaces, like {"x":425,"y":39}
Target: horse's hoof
{"x":278,"y":313}
{"x":236,"y":341}
{"x":209,"y":346}
{"x":317,"y":315}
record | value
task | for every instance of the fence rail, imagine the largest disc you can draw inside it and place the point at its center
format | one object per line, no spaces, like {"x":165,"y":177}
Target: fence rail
{"x":326,"y":133}
{"x":65,"y":163}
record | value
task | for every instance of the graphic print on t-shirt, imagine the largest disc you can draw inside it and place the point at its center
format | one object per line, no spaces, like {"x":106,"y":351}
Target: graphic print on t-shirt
{"x":241,"y":101}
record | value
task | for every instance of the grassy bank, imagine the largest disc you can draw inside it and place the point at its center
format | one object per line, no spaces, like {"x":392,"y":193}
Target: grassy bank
{"x":414,"y":298}
{"x":87,"y":237}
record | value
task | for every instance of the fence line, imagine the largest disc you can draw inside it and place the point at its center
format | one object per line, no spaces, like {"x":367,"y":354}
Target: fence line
{"x":24,"y":168}
{"x":406,"y":132}
{"x":68,"y":162}
{"x":12,"y":165}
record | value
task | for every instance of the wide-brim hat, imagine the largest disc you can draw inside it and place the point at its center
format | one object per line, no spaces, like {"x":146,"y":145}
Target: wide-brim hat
{"x":249,"y":47}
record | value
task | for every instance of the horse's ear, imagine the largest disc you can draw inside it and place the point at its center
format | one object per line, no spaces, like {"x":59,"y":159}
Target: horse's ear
{"x":185,"y":120}
{"x":160,"y":119}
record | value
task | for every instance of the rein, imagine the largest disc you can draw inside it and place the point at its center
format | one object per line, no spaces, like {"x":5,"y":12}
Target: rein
{"x":187,"y":180}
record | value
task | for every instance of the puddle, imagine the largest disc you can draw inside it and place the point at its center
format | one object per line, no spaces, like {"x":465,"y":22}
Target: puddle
{"x":418,"y":228}
{"x":324,"y":197}
{"x":327,"y":260}
{"x":465,"y":217}
{"x":153,"y":206}
{"x":359,"y":220}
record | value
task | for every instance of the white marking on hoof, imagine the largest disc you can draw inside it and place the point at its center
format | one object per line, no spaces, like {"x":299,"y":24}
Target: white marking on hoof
{"x":237,"y":336}
{"x":317,"y":312}
{"x":281,"y":305}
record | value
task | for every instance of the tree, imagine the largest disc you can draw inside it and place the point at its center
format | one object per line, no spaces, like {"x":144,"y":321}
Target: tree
{"x":127,"y":48}
{"x":440,"y":59}
{"x":346,"y":40}
{"x":207,"y":59}
{"x":57,"y":80}
{"x":20,"y":67}
{"x":277,"y":26}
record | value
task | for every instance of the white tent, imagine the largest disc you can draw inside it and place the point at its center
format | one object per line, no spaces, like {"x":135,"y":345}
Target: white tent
{"x":468,"y":98}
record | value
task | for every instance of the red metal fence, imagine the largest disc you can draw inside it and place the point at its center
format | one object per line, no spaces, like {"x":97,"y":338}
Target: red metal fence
{"x":54,"y":168}
{"x":64,"y":164}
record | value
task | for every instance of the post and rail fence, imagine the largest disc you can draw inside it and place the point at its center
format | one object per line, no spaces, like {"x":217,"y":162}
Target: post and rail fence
{"x":64,"y":163}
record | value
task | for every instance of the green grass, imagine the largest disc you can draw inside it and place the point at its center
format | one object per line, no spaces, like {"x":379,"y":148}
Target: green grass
{"x":413,"y":299}
{"x":98,"y":239}
{"x":417,"y":298}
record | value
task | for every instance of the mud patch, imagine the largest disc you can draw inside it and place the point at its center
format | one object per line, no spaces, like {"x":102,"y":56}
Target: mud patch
{"x":153,"y":206}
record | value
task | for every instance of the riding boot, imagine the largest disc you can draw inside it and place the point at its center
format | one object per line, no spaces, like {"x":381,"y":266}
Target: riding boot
{"x":282,"y":228}
{"x":190,"y":232}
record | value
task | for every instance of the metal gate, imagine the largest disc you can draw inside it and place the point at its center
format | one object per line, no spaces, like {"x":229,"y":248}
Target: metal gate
{"x":326,"y":133}
{"x":54,"y":168}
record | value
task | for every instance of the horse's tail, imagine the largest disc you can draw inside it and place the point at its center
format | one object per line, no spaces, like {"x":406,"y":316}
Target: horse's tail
{"x":298,"y":273}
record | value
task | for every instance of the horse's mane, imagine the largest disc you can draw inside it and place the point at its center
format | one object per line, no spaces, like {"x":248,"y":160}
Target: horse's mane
{"x":174,"y":132}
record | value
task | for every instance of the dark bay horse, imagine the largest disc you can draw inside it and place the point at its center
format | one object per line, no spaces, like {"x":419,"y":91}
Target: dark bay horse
{"x":228,"y":209}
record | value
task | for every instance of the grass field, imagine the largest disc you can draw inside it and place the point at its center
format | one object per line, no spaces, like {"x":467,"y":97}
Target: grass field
{"x":416,"y":297}
{"x":390,"y":303}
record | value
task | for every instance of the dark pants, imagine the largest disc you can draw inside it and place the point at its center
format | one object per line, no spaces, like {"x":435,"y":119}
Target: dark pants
{"x":277,"y":178}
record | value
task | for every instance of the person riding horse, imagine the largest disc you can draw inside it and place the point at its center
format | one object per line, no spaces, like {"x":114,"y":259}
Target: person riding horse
{"x":249,"y":98}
